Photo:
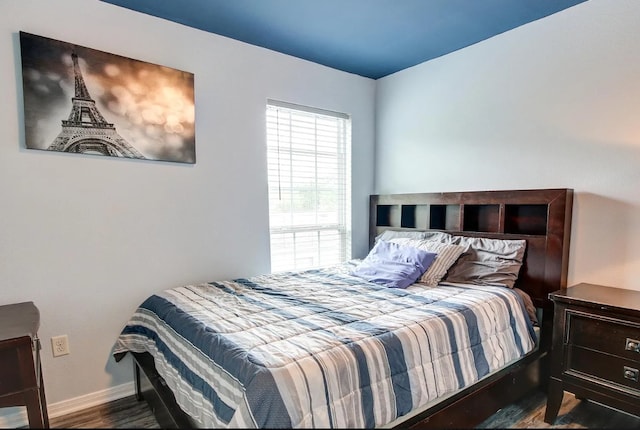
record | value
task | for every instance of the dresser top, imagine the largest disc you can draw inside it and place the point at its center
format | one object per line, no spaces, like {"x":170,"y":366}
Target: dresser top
{"x":598,"y":296}
{"x":19,"y":320}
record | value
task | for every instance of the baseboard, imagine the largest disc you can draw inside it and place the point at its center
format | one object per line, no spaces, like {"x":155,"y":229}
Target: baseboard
{"x":17,"y":417}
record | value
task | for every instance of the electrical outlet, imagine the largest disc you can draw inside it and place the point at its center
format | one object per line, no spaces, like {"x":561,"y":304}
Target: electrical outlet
{"x":60,"y":345}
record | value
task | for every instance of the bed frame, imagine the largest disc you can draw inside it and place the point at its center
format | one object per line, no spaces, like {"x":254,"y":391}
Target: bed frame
{"x":542,"y":217}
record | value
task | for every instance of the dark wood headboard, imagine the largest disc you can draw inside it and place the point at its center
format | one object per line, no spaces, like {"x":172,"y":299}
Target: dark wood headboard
{"x":542,"y":217}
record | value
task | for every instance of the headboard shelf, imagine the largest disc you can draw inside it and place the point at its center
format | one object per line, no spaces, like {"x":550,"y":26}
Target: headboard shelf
{"x":482,"y":218}
{"x":526,"y":219}
{"x":403,"y":211}
{"x":540,"y":216}
{"x":444,"y":217}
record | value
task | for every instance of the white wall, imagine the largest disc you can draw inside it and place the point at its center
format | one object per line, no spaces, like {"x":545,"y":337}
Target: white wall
{"x":552,"y":104}
{"x":87,"y":238}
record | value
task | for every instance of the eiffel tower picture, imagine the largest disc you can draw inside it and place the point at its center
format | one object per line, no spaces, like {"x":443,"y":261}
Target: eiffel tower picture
{"x":86,"y":130}
{"x":136,"y":109}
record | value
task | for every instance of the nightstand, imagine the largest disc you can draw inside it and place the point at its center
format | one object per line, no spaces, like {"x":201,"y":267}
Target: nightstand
{"x":596,"y":347}
{"x":20,"y":370}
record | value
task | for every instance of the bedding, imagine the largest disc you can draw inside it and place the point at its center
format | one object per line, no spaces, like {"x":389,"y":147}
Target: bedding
{"x":487,"y":261}
{"x":446,"y":255}
{"x":322,"y":348}
{"x":394,"y":265}
{"x":528,"y":305}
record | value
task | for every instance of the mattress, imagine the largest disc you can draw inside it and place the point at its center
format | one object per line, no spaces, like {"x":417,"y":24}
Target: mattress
{"x":322,"y":348}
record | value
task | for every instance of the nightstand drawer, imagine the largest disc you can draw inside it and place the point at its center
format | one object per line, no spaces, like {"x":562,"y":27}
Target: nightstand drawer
{"x":610,"y":369}
{"x":604,"y":334}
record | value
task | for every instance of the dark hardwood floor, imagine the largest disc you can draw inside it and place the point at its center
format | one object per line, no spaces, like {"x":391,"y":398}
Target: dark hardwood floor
{"x":125,"y":413}
{"x":527,"y":413}
{"x":574,"y":413}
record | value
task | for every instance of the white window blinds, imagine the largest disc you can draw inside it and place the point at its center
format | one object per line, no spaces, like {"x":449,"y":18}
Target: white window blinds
{"x":308,"y":156}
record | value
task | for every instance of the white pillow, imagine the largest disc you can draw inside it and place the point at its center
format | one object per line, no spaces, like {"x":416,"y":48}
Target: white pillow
{"x":439,"y":236}
{"x":447,"y":255}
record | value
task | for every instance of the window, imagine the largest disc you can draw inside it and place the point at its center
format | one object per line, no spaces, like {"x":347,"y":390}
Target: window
{"x":308,"y":156}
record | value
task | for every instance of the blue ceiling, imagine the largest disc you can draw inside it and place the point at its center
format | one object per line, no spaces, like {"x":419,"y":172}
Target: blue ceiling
{"x":371,"y":38}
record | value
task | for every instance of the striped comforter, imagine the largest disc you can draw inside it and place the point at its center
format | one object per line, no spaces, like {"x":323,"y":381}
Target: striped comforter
{"x":321,"y":348}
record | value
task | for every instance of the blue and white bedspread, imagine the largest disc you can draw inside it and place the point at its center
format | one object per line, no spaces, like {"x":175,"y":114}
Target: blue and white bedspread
{"x":321,"y":348}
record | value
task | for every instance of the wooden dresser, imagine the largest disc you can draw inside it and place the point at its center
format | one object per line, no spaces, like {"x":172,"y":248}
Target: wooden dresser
{"x":20,"y":371}
{"x":596,"y":347}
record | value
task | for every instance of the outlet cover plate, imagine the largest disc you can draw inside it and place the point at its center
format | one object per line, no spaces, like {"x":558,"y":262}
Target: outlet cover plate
{"x":60,"y":345}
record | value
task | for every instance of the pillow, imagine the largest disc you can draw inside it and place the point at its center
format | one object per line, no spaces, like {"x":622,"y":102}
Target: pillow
{"x":447,"y":255}
{"x":487,"y":261}
{"x":394,"y":265}
{"x":439,"y":236}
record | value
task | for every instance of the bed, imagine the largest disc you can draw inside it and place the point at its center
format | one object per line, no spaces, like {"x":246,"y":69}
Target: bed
{"x":335,"y":347}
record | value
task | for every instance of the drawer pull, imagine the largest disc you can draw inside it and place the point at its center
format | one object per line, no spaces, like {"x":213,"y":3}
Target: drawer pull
{"x":631,"y":373}
{"x":632,"y":345}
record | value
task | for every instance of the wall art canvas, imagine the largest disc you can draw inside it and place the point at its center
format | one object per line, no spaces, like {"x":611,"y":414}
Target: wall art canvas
{"x":84,"y":101}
